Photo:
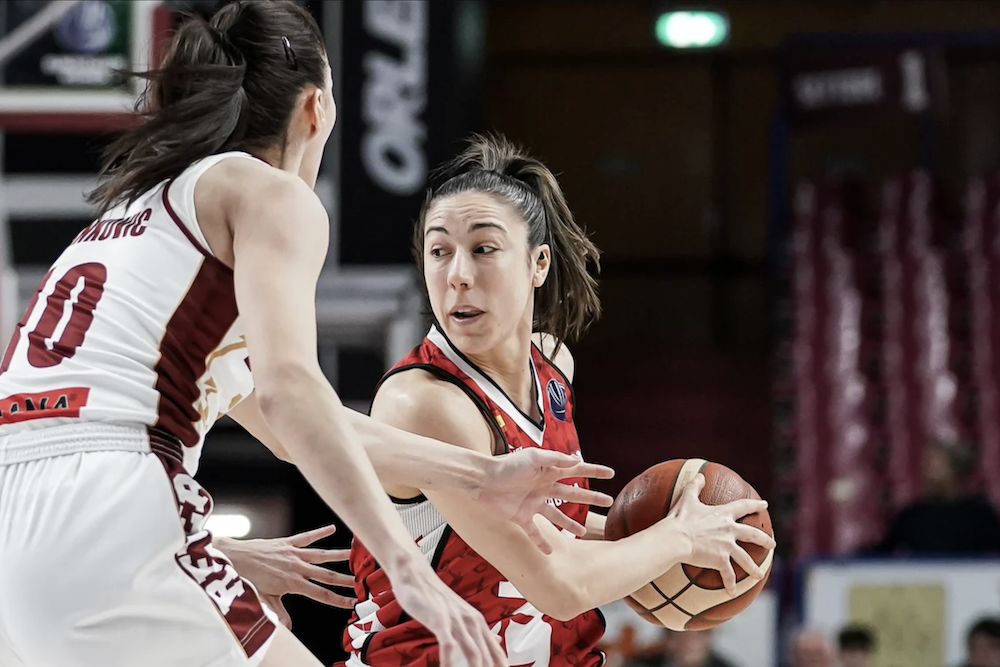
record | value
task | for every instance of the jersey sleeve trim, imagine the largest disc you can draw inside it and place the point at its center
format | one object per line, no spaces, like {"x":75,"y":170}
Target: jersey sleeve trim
{"x":187,"y":232}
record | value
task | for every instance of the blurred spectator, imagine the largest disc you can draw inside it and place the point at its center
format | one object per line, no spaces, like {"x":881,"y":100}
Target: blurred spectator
{"x":683,"y":649}
{"x":983,"y":643}
{"x":948,"y":519}
{"x":855,"y":645}
{"x":618,"y":651}
{"x":810,"y":648}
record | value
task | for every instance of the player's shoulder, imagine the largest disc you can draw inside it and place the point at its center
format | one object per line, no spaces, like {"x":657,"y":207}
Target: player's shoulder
{"x":419,"y":390}
{"x":415,"y":396}
{"x":239,"y":184}
{"x":561,"y":358}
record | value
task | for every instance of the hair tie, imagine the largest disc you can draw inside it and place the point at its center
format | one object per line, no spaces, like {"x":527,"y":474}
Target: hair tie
{"x":290,"y":58}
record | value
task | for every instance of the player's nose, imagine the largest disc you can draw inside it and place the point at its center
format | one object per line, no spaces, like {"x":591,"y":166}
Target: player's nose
{"x":460,"y":270}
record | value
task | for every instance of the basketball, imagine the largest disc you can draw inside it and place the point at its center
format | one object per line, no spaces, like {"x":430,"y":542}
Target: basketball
{"x":688,"y":597}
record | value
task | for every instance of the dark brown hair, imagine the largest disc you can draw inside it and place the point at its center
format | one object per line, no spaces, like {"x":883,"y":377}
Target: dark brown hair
{"x":229,"y":83}
{"x":567,"y":302}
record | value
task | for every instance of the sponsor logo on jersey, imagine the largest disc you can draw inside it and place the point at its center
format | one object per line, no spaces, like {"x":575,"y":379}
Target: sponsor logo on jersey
{"x":47,"y":404}
{"x":556,"y":391}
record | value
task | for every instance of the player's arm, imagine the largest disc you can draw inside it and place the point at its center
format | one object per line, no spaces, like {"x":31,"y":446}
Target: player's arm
{"x":399,"y":457}
{"x":515,"y":485}
{"x":578,"y":575}
{"x":247,"y":414}
{"x":595,"y":526}
{"x":280,"y":238}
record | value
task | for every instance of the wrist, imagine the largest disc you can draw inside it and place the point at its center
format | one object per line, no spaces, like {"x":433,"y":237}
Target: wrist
{"x":677,"y":534}
{"x":406,"y":566}
{"x":483,"y":469}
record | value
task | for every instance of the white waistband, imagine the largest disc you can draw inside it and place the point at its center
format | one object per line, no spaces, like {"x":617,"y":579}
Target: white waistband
{"x":72,"y":439}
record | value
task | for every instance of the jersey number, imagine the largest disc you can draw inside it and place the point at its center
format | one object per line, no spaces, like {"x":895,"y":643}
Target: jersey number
{"x":81,"y":287}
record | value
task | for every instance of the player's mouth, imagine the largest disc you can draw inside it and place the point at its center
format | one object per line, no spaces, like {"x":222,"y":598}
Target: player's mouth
{"x":466,"y":314}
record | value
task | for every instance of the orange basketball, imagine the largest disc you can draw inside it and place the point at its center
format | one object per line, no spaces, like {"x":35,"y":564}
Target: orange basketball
{"x":687,"y":597}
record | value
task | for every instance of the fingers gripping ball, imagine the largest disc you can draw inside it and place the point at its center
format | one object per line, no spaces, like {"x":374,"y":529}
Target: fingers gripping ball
{"x":688,"y":597}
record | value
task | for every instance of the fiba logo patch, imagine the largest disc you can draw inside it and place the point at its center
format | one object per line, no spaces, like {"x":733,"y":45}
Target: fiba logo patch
{"x":87,"y":28}
{"x":556,"y":391}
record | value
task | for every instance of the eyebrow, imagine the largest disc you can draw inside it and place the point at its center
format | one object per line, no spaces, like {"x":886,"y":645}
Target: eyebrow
{"x":472,"y":228}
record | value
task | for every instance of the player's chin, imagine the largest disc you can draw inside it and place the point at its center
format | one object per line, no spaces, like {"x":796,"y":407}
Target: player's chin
{"x":471,"y":337}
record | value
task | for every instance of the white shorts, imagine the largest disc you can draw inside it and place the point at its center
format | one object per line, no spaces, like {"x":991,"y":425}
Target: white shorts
{"x":104,"y":559}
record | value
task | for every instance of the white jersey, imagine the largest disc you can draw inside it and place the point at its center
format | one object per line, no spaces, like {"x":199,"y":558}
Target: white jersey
{"x":135,"y":323}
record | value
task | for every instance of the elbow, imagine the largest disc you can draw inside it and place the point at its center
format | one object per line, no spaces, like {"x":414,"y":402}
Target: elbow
{"x":280,"y":388}
{"x":563,"y":608}
{"x":559,"y":597}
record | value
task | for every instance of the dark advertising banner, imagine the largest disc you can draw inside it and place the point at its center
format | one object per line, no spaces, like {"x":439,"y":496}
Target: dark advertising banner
{"x":831,"y":83}
{"x":82,"y":48}
{"x":403,"y":98}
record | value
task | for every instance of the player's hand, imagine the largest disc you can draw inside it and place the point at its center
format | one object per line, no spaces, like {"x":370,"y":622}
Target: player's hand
{"x":714,"y":531}
{"x":461,"y":632}
{"x":520,"y":484}
{"x":285,"y":565}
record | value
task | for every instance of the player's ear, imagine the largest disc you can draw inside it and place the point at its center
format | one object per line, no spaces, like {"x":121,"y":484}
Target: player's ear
{"x":315,"y":110}
{"x":543,"y":260}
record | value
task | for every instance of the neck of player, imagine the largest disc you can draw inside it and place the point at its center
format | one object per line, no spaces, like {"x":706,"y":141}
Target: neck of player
{"x":509,"y":365}
{"x":286,"y":158}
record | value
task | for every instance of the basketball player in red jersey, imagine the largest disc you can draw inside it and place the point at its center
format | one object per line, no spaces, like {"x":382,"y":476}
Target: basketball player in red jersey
{"x":204,"y":261}
{"x":502,"y":256}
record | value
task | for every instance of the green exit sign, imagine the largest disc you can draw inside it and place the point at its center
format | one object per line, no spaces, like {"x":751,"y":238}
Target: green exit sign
{"x":692,"y":29}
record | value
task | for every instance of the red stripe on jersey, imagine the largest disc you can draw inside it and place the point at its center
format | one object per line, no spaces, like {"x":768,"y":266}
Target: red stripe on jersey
{"x":535,"y":638}
{"x":187,"y":232}
{"x":197,"y":327}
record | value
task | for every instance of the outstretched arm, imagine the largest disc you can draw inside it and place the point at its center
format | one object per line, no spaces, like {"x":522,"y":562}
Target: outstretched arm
{"x":515,"y":486}
{"x":398,"y":457}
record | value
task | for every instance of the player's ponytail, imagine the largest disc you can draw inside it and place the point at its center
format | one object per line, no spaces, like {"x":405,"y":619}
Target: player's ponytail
{"x":567,"y":302}
{"x":225,"y":84}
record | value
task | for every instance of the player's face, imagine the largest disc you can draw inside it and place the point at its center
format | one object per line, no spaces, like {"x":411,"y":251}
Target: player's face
{"x":938,"y":471}
{"x":479,"y":271}
{"x":691,"y":649}
{"x":855,"y":658}
{"x":984,"y":651}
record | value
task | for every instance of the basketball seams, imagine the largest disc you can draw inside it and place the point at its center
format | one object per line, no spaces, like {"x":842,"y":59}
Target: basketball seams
{"x":668,"y":599}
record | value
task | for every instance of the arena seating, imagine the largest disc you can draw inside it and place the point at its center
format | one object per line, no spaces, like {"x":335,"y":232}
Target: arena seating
{"x":893,"y":310}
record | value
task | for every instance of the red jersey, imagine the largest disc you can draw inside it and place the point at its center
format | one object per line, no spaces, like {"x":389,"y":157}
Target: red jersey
{"x":380,"y":633}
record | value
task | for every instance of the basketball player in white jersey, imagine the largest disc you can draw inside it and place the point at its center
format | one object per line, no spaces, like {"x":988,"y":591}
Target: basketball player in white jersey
{"x":204,"y":263}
